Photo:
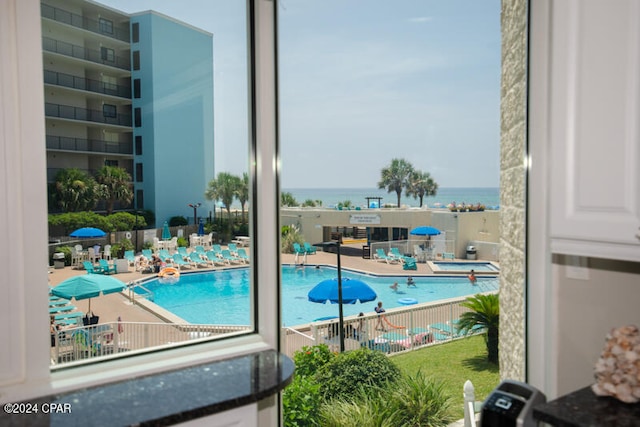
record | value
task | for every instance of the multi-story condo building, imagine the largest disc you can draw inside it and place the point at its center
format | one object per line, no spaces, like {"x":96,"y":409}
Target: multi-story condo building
{"x":134,"y":91}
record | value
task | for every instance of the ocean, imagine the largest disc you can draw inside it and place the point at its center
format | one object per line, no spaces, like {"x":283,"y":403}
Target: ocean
{"x":330,"y":197}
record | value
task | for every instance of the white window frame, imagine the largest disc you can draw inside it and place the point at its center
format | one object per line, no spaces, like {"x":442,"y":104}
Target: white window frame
{"x":24,"y":362}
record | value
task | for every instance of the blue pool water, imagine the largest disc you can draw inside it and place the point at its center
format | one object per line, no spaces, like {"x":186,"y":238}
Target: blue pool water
{"x":222,"y":297}
{"x":466,"y":266}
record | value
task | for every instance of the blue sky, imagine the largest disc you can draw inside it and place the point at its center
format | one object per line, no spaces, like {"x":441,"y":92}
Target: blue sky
{"x":362,"y":82}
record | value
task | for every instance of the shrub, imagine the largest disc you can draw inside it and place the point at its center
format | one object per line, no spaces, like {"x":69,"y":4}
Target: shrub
{"x":147,"y":245}
{"x":182,"y":241}
{"x":341,"y":377}
{"x":418,"y":401}
{"x":301,"y":402}
{"x":177,"y":221}
{"x":309,"y":360}
{"x":66,"y":250}
{"x":118,"y":249}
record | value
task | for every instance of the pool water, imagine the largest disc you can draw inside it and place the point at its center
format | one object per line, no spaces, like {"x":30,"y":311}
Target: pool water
{"x":222,"y":297}
{"x":482,"y":267}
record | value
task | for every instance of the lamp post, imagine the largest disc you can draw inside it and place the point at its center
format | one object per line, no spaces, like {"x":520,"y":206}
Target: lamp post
{"x":195,"y":207}
{"x":340,"y":312}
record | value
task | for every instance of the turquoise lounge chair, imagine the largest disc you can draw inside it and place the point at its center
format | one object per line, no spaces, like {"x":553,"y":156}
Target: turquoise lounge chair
{"x":395,"y":253}
{"x":310,"y":250}
{"x":214,"y":258}
{"x":197,"y":260}
{"x":200,"y":249}
{"x":242,"y":254}
{"x":147,"y":253}
{"x":165,"y":255}
{"x":381,"y":256}
{"x":233,"y":249}
{"x":130,"y":256}
{"x":180,"y":262}
{"x":297,"y":249}
{"x":106,"y":268}
{"x":90,"y":268}
{"x":226,"y":255}
{"x":183,"y":252}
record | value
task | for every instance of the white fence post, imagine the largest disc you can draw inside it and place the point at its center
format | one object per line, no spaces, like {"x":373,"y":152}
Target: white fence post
{"x":469,"y":394}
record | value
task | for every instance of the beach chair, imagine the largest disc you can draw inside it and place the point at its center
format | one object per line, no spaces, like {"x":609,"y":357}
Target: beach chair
{"x":233,"y":249}
{"x":409,"y":264}
{"x":179,"y":261}
{"x":381,"y":256}
{"x":395,"y":253}
{"x":297,"y":249}
{"x":183,"y":252}
{"x":197,"y":260}
{"x":165,"y":255}
{"x":147,"y":253}
{"x":200,"y":249}
{"x":106,"y":268}
{"x":57,"y":309}
{"x":226,"y":255}
{"x":214,"y":259}
{"x":310,"y":250}
{"x":242,"y":254}
{"x":90,"y":268}
{"x":130,"y":256}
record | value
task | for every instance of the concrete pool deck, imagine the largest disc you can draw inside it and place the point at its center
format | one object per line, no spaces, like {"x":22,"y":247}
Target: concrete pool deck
{"x":110,"y":307}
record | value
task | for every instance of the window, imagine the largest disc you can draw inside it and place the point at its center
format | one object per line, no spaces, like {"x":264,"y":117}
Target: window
{"x":136,"y":88}
{"x":135,"y":32}
{"x":107,"y":54}
{"x":138,"y":145}
{"x":109,"y":110}
{"x":139,"y":172}
{"x":136,"y":60}
{"x":105,"y":26}
{"x":137,"y":117}
{"x":113,"y":163}
{"x":139,"y":199}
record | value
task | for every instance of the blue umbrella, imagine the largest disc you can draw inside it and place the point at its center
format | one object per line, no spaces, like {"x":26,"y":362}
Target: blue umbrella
{"x":425,"y":230}
{"x":353,"y":290}
{"x":87,"y":233}
{"x":87,"y":286}
{"x":166,"y":234}
{"x":201,"y":228}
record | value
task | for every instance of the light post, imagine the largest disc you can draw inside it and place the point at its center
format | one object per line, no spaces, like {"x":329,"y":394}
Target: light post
{"x":195,"y":207}
{"x":340,"y":313}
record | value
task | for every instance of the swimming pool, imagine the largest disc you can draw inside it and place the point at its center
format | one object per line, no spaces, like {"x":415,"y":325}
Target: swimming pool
{"x":463,"y":267}
{"x":222,"y":296}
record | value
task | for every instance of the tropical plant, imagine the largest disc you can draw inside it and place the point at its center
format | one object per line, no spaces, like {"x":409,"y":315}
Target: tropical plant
{"x":309,"y":360}
{"x":290,"y":235}
{"x":224,"y":188}
{"x":394,"y":178}
{"x":287,"y":199}
{"x":312,"y":203}
{"x":419,"y":401}
{"x":363,"y":409}
{"x":340,"y":378}
{"x":421,"y":185}
{"x":114,"y":185}
{"x":243,"y":192}
{"x":484,"y":314}
{"x":346,"y":204}
{"x":301,"y":402}
{"x":121,"y":221}
{"x":75,"y":191}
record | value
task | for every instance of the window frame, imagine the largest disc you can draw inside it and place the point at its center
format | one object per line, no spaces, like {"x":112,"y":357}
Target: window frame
{"x":25,"y":372}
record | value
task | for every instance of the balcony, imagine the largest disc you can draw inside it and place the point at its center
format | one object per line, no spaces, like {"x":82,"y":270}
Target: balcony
{"x":80,"y":52}
{"x":52,"y":172}
{"x":81,"y":83}
{"x":65,"y":17}
{"x":83,"y":114}
{"x":89,"y":145}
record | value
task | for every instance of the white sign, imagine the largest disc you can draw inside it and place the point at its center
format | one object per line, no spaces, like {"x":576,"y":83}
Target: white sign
{"x":364,"y":219}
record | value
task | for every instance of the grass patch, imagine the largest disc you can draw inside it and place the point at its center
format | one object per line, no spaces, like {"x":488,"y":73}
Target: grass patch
{"x":453,"y":363}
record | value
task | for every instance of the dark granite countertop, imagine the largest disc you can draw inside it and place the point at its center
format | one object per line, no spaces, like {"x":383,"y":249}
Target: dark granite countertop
{"x":583,"y":408}
{"x":168,"y":397}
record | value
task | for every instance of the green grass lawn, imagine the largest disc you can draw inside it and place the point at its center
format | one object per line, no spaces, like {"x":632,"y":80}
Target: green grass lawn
{"x":454,"y":363}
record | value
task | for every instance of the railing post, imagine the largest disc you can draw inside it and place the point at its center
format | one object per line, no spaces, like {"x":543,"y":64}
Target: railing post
{"x":469,"y":402}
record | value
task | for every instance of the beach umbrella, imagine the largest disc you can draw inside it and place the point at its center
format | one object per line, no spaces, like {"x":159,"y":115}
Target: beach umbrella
{"x":87,"y":233}
{"x":166,"y":234}
{"x":425,"y":230}
{"x":353,"y":290}
{"x":87,"y":286}
{"x":201,"y":228}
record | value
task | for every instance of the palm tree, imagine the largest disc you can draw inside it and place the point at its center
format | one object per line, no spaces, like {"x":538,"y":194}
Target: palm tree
{"x":224,"y":188}
{"x":75,"y":191}
{"x":115,"y":185}
{"x":485,"y":314}
{"x":395,"y":176}
{"x":287,"y":199}
{"x":243,"y":192}
{"x":421,"y":185}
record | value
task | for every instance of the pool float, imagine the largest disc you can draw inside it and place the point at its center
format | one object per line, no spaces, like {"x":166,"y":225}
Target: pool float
{"x":169,"y":275}
{"x":407,"y":301}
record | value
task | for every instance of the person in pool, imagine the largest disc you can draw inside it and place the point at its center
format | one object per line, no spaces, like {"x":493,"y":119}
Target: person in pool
{"x":394,"y":287}
{"x":410,"y":282}
{"x":472,"y":278}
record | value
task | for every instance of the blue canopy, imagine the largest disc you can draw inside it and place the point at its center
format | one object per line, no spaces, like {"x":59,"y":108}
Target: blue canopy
{"x":353,"y":290}
{"x":87,"y":233}
{"x":166,"y":234}
{"x":425,"y":230}
{"x":87,"y":286}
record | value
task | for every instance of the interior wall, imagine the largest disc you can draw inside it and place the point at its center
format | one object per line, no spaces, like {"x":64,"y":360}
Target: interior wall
{"x":587,"y":309}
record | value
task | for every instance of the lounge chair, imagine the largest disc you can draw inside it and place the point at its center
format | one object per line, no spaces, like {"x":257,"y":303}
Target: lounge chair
{"x":233,"y":249}
{"x":90,"y":268}
{"x":183,"y":252}
{"x":297,"y":249}
{"x":216,"y":248}
{"x":310,"y":250}
{"x":56,"y":309}
{"x":106,"y":268}
{"x":409,"y":264}
{"x":214,"y":259}
{"x":197,"y":260}
{"x":381,"y":256}
{"x":395,"y":253}
{"x":179,"y":262}
{"x":200,"y":249}
{"x":242,"y":254}
{"x":147,"y":253}
{"x":130,"y":256}
{"x":165,"y":255}
{"x":226,"y":255}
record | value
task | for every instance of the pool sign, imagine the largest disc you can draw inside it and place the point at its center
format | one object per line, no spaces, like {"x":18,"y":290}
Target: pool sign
{"x":364,"y":219}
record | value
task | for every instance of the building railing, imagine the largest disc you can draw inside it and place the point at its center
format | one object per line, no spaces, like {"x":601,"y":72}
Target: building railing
{"x":52,"y":172}
{"x":420,"y":249}
{"x":83,"y":22}
{"x":77,"y":113}
{"x":397,"y":330}
{"x":81,"y":52}
{"x":89,"y":145}
{"x":82,"y":343}
{"x":82,"y":83}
